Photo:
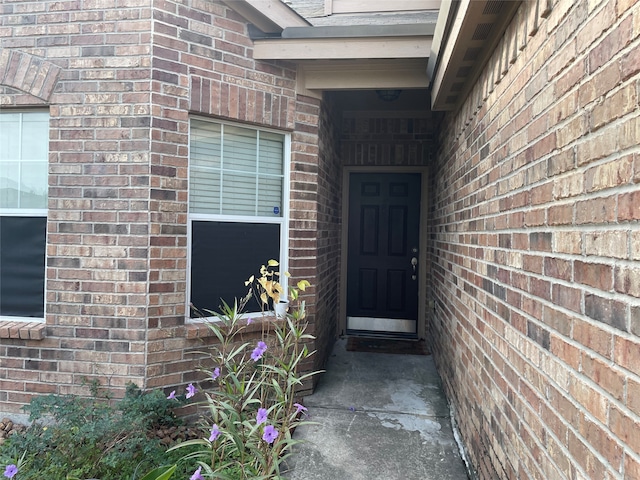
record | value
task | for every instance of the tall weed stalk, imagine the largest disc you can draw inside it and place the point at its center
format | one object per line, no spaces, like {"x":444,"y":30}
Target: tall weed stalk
{"x":252,"y":409}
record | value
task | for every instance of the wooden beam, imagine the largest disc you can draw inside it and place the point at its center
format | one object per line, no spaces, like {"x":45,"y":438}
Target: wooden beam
{"x":343,"y":48}
{"x":379,"y":74}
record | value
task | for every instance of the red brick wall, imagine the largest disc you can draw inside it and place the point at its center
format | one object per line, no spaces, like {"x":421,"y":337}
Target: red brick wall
{"x":535,"y":251}
{"x":383,"y":141}
{"x":202,"y":64}
{"x":327,"y":240}
{"x":89,"y":62}
{"x":120,"y":79}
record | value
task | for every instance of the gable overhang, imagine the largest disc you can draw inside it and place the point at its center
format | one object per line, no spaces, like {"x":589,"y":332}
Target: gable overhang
{"x":355,"y":42}
{"x":270,"y":16}
{"x":358,"y":57}
{"x":466,"y":34}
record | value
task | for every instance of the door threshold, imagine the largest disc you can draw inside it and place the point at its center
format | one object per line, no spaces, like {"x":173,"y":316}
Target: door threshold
{"x":378,"y":324}
{"x":381,"y":335}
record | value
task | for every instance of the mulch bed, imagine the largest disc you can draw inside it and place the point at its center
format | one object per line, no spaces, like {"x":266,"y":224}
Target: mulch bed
{"x":387,"y":345}
{"x":8,"y":428}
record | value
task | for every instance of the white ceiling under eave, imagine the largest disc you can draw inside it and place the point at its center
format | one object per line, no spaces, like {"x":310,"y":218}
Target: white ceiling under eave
{"x":352,"y":63}
{"x":333,"y":57}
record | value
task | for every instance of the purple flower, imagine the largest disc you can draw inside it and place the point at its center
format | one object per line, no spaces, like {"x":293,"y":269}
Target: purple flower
{"x":191,"y":390}
{"x":172,"y":395}
{"x":249,"y":321}
{"x":262,"y":416}
{"x":10,"y":471}
{"x":216,"y":373}
{"x":258,"y":351}
{"x":215,"y":433}
{"x":270,"y":434}
{"x":256,"y":354}
{"x":196,"y":475}
{"x":300,"y":408}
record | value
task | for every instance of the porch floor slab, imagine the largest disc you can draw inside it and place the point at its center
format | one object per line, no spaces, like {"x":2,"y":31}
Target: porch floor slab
{"x":377,"y":416}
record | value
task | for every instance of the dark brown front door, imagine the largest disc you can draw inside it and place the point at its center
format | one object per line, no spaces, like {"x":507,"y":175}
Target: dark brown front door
{"x":382,"y":277}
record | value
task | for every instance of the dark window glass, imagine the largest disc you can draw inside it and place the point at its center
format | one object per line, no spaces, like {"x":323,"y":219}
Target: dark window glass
{"x":224,"y":255}
{"x":22,"y":253}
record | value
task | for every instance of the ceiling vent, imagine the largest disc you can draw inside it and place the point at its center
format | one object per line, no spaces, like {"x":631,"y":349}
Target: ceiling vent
{"x":482,"y":31}
{"x":463,"y":72}
{"x":493,"y":7}
{"x":472,"y":54}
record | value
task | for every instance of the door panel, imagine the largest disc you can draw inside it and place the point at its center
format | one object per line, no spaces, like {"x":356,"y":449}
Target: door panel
{"x":383,"y":237}
{"x":398,"y":231}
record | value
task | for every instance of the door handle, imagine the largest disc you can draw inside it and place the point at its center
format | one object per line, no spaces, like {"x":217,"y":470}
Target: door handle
{"x":414,"y":264}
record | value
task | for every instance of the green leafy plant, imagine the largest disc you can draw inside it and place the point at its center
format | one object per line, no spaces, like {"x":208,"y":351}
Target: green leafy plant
{"x":91,"y":437}
{"x":252,"y":409}
{"x":160,"y":473}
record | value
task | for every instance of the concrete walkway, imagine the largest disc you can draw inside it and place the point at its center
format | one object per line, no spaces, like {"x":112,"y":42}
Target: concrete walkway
{"x":379,"y":416}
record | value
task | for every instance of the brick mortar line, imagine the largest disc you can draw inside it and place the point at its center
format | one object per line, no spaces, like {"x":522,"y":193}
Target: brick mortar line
{"x":468,"y":166}
{"x":628,"y":374}
{"x":594,"y":259}
{"x":584,"y":288}
{"x":625,"y":226}
{"x":568,"y":339}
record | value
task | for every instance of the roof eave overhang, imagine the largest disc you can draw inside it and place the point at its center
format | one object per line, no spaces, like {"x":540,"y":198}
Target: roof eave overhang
{"x":465,"y":36}
{"x":270,"y":16}
{"x":339,"y":43}
{"x":352,"y":58}
{"x":339,"y":57}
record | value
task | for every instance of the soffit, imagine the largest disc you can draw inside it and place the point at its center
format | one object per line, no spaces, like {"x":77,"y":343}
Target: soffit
{"x":465,"y":38}
{"x":375,"y":48}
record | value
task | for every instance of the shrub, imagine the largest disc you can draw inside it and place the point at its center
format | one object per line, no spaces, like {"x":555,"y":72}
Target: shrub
{"x":251,"y":409}
{"x":78,"y":437}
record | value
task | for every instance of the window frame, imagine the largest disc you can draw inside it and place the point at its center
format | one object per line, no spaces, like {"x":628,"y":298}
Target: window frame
{"x":31,"y":212}
{"x":282,"y":220}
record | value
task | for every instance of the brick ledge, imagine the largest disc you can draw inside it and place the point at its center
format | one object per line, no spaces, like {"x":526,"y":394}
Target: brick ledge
{"x":22,"y":330}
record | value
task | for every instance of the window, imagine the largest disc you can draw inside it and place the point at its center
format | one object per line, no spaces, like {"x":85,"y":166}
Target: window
{"x":237,"y":208}
{"x":24,"y":145}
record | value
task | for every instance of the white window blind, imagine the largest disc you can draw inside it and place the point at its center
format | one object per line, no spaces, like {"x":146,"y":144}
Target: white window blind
{"x":235,"y":170}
